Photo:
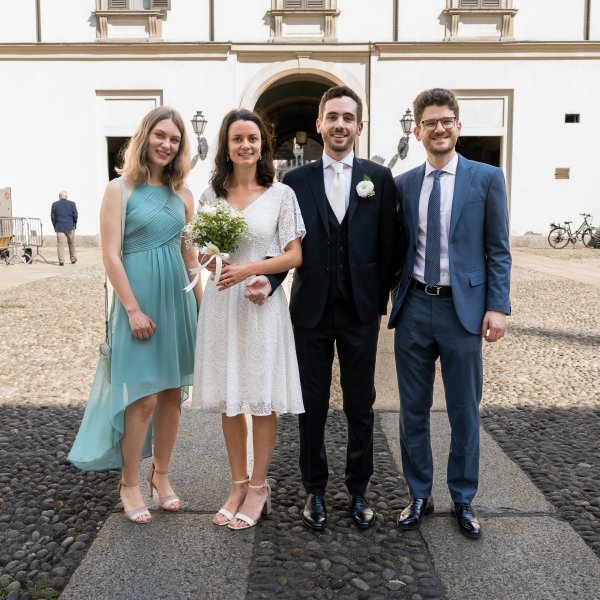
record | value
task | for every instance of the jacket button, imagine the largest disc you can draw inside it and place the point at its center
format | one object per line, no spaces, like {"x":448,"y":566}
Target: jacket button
{"x":327,"y":269}
{"x":329,"y":243}
{"x":341,"y":248}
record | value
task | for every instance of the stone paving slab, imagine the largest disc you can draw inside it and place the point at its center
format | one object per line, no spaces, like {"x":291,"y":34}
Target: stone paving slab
{"x":199,"y":470}
{"x":180,"y":556}
{"x":20,"y":273}
{"x":518,"y":558}
{"x":582,"y":273}
{"x":503,"y":487}
{"x":525,"y":552}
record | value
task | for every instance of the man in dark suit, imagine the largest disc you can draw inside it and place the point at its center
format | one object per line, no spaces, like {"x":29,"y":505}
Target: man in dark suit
{"x":451,"y":291}
{"x":338,"y":295}
{"x":64,"y":220}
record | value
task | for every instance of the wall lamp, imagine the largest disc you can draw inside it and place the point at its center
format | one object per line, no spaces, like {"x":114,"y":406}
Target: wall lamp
{"x":199,"y":124}
{"x":407,"y":123}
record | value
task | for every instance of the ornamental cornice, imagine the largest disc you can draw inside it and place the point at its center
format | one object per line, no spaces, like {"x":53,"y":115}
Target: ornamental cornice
{"x":134,"y":50}
{"x":149,"y":50}
{"x":476,"y":50}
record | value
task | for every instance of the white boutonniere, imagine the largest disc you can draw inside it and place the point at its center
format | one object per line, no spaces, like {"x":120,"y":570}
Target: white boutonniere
{"x":365,"y":188}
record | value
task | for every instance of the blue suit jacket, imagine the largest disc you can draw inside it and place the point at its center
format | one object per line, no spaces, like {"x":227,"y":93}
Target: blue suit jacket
{"x":478,"y":241}
{"x":64,"y":215}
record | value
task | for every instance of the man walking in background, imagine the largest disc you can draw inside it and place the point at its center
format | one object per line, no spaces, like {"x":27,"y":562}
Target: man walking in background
{"x":64,"y":220}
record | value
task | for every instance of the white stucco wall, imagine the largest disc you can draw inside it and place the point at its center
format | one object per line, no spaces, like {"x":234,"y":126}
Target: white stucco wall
{"x":595,"y":20}
{"x":549,"y":19}
{"x":363,"y":21}
{"x":539,"y":140}
{"x":242,"y":21}
{"x":421,"y":21}
{"x":55,"y":115}
{"x":17,"y":22}
{"x":187,"y":21}
{"x":66,"y":20}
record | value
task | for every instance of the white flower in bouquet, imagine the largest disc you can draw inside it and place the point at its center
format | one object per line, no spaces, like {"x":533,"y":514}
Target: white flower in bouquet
{"x":217,"y":224}
{"x":216,"y":229}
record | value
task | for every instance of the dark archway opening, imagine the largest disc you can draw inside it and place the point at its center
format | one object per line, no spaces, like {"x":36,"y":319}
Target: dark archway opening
{"x":115,"y":147}
{"x":292,"y":106}
{"x":485,"y":149}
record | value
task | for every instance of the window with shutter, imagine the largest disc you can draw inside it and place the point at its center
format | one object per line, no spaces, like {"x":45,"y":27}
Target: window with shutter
{"x":479,"y":20}
{"x":116,"y":16}
{"x":480,"y":3}
{"x":309,"y":20}
{"x":303,"y":4}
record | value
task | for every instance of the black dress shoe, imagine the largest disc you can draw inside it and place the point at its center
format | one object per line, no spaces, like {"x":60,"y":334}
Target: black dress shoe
{"x":468,"y":523}
{"x":61,"y":264}
{"x":362,"y":514}
{"x":315,"y":513}
{"x":411,"y":516}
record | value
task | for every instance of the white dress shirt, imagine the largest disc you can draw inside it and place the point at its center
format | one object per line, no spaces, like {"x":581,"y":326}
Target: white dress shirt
{"x":329,"y":173}
{"x":447,"y":179}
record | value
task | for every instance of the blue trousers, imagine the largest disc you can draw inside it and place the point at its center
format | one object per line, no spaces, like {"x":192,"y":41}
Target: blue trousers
{"x":428,"y":328}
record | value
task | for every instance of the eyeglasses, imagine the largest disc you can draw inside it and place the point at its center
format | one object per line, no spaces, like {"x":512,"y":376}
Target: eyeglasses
{"x":431,"y":124}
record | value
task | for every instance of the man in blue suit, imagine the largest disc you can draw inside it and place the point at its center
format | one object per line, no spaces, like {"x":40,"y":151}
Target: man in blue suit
{"x":451,"y":291}
{"x":64,"y":220}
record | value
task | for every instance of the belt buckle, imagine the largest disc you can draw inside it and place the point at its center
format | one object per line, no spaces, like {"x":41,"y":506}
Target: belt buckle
{"x":437,"y":289}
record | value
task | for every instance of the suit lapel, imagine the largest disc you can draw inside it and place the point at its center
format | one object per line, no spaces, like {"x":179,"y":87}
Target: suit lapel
{"x":462,"y":185}
{"x":317,"y":187}
{"x":358,"y":172}
{"x":414,"y":190}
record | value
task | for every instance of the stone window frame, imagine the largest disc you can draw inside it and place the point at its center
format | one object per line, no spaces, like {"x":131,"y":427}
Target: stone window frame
{"x":327,"y":9}
{"x":457,"y":9}
{"x":151,"y":17}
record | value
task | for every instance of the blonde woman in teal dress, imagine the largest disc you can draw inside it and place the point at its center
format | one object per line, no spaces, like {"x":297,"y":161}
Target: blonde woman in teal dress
{"x":154,"y":319}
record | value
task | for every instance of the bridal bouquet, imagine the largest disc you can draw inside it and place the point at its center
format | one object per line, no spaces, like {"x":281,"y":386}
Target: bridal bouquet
{"x":216,"y":229}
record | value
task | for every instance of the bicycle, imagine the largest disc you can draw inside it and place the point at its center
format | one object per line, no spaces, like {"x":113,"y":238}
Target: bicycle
{"x":560,"y":235}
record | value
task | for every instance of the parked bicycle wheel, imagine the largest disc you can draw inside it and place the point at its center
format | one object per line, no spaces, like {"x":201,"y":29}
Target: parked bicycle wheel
{"x":587,"y":237}
{"x":558,"y":237}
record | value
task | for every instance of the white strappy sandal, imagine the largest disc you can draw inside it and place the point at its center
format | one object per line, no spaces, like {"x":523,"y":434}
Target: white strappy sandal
{"x":266,"y":509}
{"x":223,"y":511}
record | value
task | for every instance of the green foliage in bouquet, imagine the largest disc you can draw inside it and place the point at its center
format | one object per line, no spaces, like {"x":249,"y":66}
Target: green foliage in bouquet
{"x":218,"y":224}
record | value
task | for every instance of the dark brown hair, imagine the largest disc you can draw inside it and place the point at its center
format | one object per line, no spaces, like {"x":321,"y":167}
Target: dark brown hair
{"x":265,"y":171}
{"x":340,"y":91}
{"x":434,"y":97}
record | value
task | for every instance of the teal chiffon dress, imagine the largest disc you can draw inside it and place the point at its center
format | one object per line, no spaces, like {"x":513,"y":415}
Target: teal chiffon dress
{"x":152,"y":259}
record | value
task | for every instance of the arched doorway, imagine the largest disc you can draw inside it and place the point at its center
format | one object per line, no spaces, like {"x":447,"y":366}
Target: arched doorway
{"x":292,"y":105}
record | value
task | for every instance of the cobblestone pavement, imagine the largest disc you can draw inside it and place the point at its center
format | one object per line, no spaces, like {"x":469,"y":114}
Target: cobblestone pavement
{"x":541,"y":403}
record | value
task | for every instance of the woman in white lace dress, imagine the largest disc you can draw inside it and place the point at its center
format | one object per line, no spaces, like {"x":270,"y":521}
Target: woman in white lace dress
{"x":245,"y":354}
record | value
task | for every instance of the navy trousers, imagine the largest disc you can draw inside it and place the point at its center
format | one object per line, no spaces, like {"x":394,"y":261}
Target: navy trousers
{"x":428,"y":328}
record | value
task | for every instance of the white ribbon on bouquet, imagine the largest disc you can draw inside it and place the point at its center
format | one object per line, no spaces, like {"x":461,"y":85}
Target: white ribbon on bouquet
{"x":215,"y":254}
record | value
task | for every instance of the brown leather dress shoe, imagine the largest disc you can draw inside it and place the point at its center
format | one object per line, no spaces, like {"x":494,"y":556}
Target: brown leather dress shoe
{"x":412,"y":515}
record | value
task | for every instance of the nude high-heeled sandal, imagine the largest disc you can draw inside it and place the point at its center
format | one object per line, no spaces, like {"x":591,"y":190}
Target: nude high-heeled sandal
{"x":223,"y":511}
{"x":137,"y":513}
{"x":167,"y":503}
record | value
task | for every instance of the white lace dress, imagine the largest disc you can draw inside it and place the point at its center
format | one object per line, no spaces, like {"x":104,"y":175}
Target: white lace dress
{"x":245,"y":353}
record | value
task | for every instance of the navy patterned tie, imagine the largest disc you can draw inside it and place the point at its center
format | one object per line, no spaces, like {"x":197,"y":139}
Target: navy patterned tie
{"x":432,"y":244}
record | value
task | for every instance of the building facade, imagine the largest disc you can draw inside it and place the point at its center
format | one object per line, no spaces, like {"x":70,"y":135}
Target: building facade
{"x":78,"y":75}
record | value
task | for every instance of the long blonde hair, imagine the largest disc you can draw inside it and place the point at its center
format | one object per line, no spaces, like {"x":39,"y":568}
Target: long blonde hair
{"x":135,"y":159}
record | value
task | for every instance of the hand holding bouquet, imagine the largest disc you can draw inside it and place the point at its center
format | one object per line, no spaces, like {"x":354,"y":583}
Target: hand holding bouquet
{"x":216,"y":229}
